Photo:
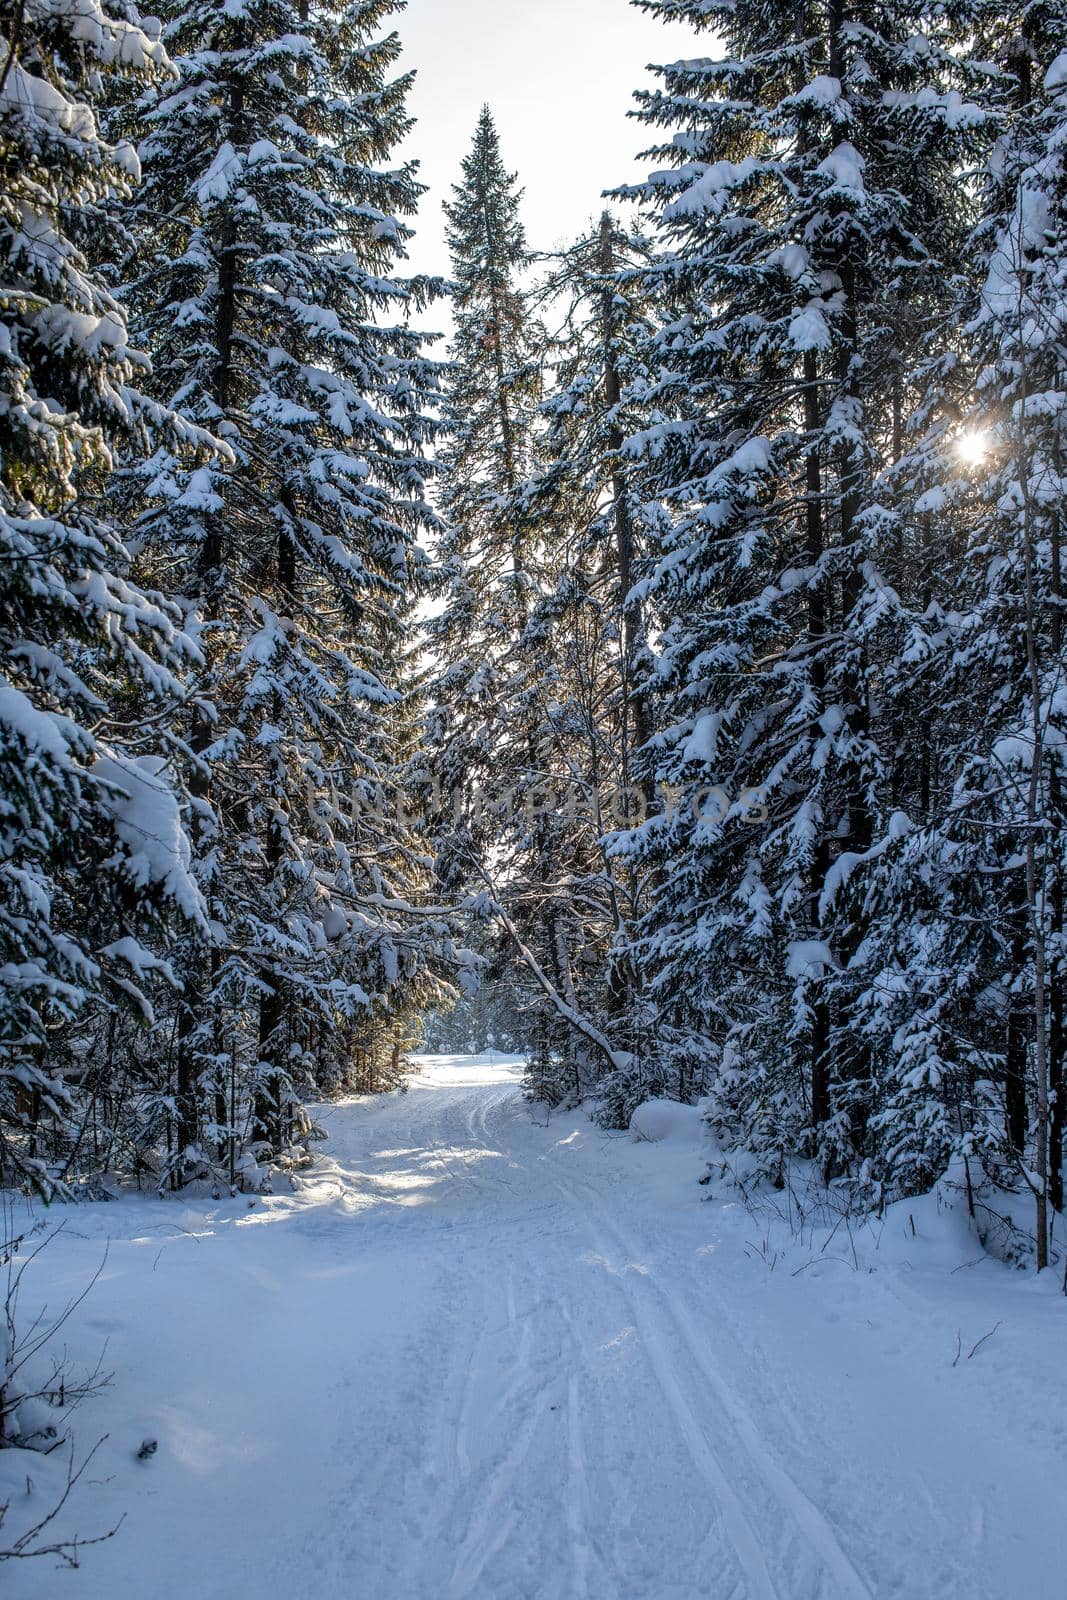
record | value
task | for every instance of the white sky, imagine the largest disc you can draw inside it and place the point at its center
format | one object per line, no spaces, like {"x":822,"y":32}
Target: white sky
{"x":559,"y":76}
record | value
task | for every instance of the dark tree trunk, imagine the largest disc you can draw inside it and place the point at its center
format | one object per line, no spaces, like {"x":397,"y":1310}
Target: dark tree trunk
{"x":1015,"y":1054}
{"x":637,"y":719}
{"x":267,"y":1108}
{"x":1056,"y":1087}
{"x":816,"y":627}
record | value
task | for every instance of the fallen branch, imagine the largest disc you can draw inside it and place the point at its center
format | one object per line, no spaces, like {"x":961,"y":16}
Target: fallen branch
{"x":815,"y":1260}
{"x":982,"y":1340}
{"x":617,"y":1060}
{"x":26,"y":1548}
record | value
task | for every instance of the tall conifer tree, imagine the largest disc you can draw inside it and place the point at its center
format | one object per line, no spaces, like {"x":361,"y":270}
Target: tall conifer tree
{"x":268,"y":233}
{"x":966,"y":951}
{"x":487,"y":552}
{"x":803,"y":210}
{"x":91,"y":841}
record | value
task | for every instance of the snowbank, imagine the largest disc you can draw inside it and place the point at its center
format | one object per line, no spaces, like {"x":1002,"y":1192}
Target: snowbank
{"x":656,"y":1120}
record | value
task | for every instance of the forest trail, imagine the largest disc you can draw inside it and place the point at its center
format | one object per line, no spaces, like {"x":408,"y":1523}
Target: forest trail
{"x":482,"y":1354}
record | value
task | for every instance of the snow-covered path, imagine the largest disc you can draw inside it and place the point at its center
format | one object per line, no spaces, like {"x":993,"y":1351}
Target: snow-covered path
{"x":479,"y":1357}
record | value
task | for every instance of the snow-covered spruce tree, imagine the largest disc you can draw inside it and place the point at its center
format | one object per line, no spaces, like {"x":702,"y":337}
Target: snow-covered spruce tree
{"x":481,"y":742}
{"x":516,"y":823}
{"x":1021,"y":336}
{"x":268,"y":228}
{"x":977,"y":1009}
{"x":92,"y":850}
{"x":806,"y":209}
{"x":491,"y":392}
{"x":586,"y":703}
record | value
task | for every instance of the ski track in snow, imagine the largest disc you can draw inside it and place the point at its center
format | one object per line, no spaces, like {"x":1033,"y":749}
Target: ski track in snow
{"x":475,"y":1357}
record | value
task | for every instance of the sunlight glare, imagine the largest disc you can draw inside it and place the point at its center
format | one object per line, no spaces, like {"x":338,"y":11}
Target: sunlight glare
{"x":972,"y":446}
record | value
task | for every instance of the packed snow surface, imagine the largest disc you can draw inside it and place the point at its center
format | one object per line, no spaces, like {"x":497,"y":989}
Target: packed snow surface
{"x":486,"y":1352}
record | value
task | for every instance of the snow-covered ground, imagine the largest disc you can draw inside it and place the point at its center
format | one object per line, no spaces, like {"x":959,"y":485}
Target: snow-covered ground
{"x":485,"y":1353}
